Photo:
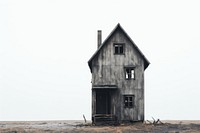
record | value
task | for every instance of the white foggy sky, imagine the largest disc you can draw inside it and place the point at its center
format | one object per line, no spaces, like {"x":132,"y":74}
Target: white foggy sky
{"x":45,"y":46}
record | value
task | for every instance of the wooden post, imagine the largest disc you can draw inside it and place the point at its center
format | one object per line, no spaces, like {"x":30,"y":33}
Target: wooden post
{"x":84,"y":118}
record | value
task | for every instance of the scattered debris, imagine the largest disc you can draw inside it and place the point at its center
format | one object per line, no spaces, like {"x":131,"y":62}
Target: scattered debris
{"x":155,"y":122}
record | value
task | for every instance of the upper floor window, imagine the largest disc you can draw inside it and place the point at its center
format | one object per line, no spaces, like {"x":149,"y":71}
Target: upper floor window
{"x":130,"y":73}
{"x":119,"y":48}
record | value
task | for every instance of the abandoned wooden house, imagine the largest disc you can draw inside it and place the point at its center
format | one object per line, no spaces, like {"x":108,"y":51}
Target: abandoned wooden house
{"x":117,"y":69}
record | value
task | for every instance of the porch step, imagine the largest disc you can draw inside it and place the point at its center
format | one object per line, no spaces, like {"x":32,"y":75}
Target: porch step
{"x":104,"y":119}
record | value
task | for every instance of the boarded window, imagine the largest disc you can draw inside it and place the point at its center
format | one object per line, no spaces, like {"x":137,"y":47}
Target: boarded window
{"x":119,"y":48}
{"x":129,"y":101}
{"x":130,"y":73}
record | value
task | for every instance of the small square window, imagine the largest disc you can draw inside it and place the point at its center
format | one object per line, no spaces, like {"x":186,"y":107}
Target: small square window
{"x":119,"y":48}
{"x":129,"y":101}
{"x":129,"y":73}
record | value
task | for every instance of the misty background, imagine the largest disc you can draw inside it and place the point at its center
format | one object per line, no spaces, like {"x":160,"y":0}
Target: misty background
{"x":45,"y":46}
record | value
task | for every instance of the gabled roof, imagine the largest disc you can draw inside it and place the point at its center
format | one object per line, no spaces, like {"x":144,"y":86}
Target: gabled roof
{"x":118,"y":27}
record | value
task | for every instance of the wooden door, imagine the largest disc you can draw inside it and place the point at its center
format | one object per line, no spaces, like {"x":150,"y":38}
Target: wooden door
{"x":103,"y":102}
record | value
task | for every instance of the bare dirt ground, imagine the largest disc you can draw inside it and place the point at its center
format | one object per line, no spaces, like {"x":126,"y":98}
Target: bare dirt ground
{"x":80,"y":126}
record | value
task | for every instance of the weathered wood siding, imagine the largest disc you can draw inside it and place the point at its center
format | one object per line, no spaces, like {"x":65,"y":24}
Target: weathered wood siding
{"x":108,"y":69}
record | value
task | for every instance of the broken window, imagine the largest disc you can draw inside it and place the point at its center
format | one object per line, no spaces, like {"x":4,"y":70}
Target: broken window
{"x":129,"y":101}
{"x":129,"y":73}
{"x":119,"y":48}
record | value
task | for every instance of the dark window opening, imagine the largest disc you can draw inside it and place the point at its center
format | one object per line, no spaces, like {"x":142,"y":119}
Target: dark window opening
{"x":119,"y":48}
{"x":129,"y":73}
{"x":129,"y":101}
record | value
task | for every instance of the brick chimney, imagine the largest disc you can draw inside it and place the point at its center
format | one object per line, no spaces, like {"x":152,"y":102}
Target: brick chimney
{"x":98,"y":38}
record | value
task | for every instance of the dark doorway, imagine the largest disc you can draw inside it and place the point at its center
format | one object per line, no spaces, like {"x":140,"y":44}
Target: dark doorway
{"x":102,"y":102}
